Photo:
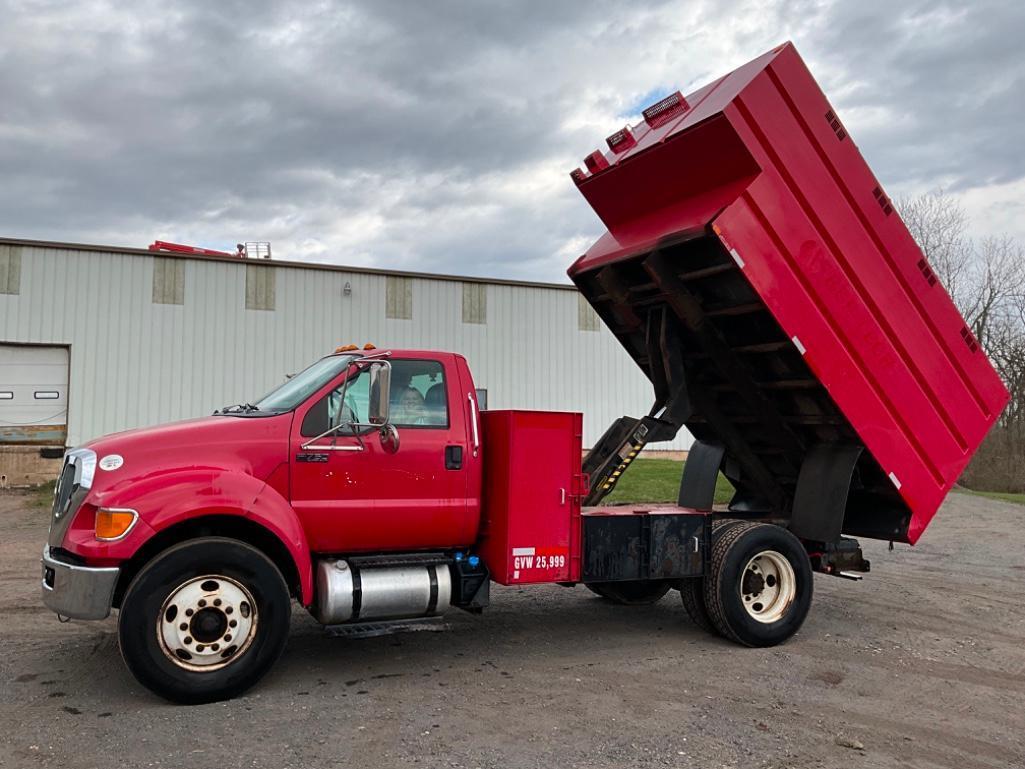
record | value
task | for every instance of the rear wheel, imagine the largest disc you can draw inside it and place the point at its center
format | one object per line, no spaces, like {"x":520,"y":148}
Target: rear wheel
{"x":692,"y":591}
{"x":204,"y":620}
{"x":634,"y":593}
{"x":760,"y":585}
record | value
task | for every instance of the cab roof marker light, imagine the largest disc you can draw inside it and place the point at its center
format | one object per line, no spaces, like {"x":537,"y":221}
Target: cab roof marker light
{"x":664,"y":110}
{"x":896,"y":482}
{"x":577,"y":175}
{"x":797,"y":343}
{"x":596,"y":162}
{"x":621,"y":140}
{"x":736,"y":258}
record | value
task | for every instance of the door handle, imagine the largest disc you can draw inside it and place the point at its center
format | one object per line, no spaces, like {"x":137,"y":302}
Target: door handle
{"x":453,"y":457}
{"x":473,"y":423}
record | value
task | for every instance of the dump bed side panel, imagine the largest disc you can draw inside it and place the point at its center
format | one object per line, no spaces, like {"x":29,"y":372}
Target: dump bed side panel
{"x":891,"y":348}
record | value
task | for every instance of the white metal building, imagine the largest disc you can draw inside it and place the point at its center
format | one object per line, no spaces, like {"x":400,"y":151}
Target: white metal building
{"x":124,"y":337}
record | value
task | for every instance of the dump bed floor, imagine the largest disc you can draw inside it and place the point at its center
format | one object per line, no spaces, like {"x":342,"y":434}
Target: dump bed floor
{"x":750,"y":215}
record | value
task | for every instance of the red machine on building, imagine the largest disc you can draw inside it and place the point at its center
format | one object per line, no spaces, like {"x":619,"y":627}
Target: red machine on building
{"x":758,"y":275}
{"x":181,"y":248}
{"x":248,"y":250}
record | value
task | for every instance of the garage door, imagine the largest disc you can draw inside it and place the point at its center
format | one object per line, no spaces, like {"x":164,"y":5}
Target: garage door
{"x":33,"y":395}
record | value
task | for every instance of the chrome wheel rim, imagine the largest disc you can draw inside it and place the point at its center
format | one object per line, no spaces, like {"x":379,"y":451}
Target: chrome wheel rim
{"x":768,"y":586}
{"x":207,"y":623}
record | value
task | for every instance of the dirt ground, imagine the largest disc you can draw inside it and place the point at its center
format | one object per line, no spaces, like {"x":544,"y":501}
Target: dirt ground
{"x":922,"y":665}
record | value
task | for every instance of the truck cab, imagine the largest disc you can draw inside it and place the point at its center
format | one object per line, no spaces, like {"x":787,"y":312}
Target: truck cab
{"x":320,"y":453}
{"x":364,"y":453}
{"x":355,"y":493}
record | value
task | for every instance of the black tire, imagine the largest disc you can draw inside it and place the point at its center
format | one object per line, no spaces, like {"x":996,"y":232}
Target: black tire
{"x":143,"y":612}
{"x":732,"y":551}
{"x":692,"y":591}
{"x":634,"y":593}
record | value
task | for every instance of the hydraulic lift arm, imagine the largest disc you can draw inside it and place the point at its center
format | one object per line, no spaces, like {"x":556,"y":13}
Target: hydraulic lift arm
{"x":606,"y":462}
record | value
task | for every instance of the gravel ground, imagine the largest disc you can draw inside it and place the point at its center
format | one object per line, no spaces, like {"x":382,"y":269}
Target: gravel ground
{"x":920,"y":665}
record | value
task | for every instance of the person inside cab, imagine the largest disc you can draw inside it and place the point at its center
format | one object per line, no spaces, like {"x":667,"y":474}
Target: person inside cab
{"x":410,"y":408}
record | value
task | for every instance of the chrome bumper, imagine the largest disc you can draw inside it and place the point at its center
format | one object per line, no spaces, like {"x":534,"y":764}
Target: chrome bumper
{"x":79,"y":592}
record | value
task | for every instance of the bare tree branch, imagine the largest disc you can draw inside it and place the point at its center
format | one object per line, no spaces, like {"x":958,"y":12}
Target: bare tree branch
{"x":986,"y":280}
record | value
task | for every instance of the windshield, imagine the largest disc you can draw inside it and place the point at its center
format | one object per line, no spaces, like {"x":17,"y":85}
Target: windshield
{"x":300,"y":387}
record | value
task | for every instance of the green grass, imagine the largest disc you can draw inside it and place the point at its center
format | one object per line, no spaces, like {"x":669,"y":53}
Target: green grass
{"x":658,"y":480}
{"x":1018,"y":499}
{"x":42,"y":496}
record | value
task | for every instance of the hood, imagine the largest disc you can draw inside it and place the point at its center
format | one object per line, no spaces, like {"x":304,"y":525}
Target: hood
{"x":251,"y":445}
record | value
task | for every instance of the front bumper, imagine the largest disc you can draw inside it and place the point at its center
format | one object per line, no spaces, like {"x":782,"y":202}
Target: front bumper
{"x":79,"y":592}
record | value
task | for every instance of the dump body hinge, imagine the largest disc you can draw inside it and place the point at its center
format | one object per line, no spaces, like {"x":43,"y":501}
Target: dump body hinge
{"x":842,"y":558}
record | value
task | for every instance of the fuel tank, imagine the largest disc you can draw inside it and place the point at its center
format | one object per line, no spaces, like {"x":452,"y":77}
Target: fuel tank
{"x":350,"y":592}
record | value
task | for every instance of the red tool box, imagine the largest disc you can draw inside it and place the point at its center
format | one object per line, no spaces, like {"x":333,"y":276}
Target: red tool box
{"x":531,"y":507}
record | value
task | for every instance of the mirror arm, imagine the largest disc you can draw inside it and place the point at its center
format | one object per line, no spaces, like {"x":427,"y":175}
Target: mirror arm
{"x":324,"y":434}
{"x":379,"y":358}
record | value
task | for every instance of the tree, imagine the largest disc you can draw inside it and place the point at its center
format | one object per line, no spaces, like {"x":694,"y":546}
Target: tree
{"x":986,"y":280}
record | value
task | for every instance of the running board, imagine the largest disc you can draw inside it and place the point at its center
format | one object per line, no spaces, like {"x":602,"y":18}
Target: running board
{"x":375,"y":629}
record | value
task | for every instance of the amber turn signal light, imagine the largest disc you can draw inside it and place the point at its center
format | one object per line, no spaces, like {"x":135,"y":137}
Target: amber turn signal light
{"x":113,"y":524}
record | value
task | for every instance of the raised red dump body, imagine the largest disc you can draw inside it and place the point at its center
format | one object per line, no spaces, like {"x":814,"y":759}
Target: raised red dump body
{"x":746,"y":210}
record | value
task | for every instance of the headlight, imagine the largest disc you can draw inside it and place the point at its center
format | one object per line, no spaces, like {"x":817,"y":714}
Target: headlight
{"x":88,"y":460}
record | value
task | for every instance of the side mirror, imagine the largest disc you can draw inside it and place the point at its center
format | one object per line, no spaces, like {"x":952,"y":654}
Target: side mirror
{"x":389,"y":438}
{"x":380,"y":393}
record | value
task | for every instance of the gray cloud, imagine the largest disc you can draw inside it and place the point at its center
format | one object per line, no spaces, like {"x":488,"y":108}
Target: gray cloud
{"x":439,"y":136}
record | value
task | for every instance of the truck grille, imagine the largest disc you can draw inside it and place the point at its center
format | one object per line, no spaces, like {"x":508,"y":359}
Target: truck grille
{"x":73,"y":485}
{"x":65,"y":487}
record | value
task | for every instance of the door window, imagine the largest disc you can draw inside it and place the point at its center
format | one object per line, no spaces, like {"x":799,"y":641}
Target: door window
{"x":418,"y":399}
{"x":331,"y":411}
{"x":418,"y":394}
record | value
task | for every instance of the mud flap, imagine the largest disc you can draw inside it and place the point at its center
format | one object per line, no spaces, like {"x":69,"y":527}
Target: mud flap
{"x":820,"y":500}
{"x":700,"y":472}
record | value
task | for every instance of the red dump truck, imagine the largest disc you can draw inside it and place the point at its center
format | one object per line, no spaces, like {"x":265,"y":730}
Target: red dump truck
{"x":759,"y":276}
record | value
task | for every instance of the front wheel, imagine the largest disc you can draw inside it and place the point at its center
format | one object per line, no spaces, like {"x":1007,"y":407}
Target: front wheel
{"x":204,"y":620}
{"x":760,"y":584}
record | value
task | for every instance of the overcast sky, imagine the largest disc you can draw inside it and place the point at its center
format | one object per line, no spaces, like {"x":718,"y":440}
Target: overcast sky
{"x":438,"y":136}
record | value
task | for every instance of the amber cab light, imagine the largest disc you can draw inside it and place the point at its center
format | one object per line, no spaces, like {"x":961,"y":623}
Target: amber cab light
{"x":113,"y":523}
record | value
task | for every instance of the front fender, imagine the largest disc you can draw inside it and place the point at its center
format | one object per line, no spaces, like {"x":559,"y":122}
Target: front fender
{"x":167,"y":498}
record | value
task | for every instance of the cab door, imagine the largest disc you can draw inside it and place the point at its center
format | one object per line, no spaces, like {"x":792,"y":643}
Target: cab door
{"x":355,"y":496}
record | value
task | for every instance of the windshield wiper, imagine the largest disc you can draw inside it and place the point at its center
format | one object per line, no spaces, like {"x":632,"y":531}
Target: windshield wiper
{"x":238,"y":408}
